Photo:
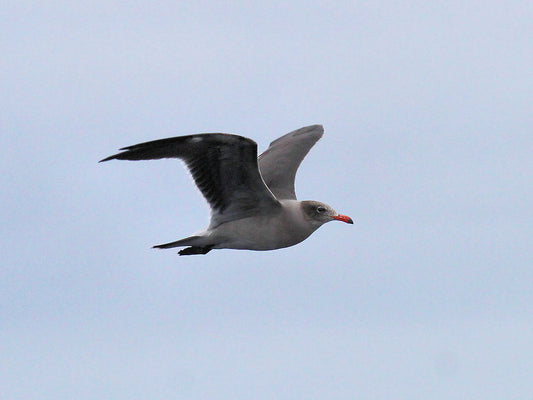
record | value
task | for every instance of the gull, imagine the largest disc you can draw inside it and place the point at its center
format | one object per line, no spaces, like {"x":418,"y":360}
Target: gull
{"x":252,"y":199}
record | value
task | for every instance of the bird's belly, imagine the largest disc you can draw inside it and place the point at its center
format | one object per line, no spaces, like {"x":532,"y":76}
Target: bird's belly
{"x":259,"y":234}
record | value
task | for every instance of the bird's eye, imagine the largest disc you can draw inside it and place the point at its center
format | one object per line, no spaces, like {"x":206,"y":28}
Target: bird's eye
{"x":321,"y":209}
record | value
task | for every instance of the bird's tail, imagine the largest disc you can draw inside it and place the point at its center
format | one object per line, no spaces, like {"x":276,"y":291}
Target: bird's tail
{"x":199,"y":245}
{"x":189,"y":241}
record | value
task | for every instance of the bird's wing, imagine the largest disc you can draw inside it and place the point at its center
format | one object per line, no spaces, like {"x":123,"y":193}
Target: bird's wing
{"x":279,"y":163}
{"x":223,"y":166}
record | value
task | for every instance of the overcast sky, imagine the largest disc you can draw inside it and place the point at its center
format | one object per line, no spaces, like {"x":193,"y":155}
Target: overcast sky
{"x":427,"y":110}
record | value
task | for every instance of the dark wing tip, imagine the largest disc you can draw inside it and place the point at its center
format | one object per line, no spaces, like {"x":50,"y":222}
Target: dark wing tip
{"x":108,"y":158}
{"x":174,"y":147}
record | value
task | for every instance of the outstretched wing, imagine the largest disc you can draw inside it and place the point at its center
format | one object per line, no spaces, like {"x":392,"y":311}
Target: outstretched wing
{"x":223,"y":166}
{"x":279,"y":163}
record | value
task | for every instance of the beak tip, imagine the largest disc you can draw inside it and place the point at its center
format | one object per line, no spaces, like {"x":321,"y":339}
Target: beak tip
{"x":344,"y":218}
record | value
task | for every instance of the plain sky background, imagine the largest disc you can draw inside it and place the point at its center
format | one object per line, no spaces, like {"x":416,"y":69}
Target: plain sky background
{"x":427,"y":109}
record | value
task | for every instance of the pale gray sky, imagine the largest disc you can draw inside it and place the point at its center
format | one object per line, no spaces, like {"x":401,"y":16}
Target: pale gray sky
{"x":427,"y":110}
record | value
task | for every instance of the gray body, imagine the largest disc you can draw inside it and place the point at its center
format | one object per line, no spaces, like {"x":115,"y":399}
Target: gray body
{"x":253,"y":202}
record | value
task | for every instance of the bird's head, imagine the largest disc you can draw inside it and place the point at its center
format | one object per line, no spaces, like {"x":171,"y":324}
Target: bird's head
{"x":320,"y":213}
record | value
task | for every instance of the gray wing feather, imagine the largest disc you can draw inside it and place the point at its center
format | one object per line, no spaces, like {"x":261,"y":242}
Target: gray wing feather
{"x":223,"y":166}
{"x":279,"y":163}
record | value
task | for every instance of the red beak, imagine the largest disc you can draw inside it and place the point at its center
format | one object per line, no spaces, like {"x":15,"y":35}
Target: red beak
{"x":343,"y":218}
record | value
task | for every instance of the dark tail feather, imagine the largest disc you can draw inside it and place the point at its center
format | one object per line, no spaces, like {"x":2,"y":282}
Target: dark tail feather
{"x":197,"y":245}
{"x":190,"y":241}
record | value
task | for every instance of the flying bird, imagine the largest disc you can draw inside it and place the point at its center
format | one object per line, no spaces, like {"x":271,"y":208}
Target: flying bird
{"x":252,"y":199}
